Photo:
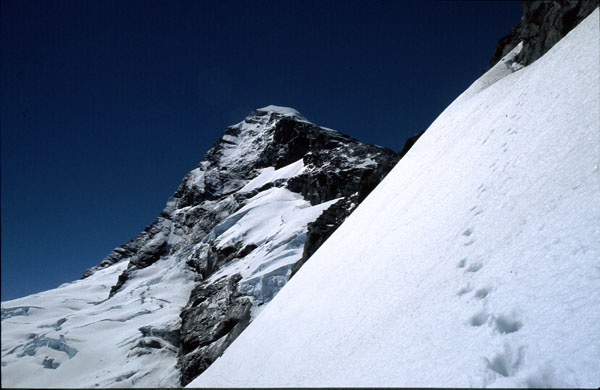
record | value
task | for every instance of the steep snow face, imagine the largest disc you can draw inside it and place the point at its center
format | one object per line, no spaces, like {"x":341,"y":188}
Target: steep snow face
{"x":474,"y":263}
{"x":159,"y":309}
{"x":275,"y":222}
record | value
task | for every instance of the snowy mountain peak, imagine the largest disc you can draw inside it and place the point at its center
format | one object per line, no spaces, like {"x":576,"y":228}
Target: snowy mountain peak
{"x":264,"y":118}
{"x":165,"y":305}
{"x":279,"y":111}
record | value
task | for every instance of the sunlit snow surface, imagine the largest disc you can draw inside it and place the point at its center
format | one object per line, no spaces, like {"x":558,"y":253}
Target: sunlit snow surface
{"x":271,"y":174}
{"x":476,"y":262}
{"x":275,"y":220}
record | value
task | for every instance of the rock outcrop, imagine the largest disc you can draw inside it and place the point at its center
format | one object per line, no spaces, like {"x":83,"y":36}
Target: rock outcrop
{"x":332,"y":218}
{"x":543,"y":24}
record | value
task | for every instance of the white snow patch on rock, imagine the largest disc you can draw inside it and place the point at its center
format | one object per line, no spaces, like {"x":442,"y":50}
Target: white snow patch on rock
{"x":270,"y":174}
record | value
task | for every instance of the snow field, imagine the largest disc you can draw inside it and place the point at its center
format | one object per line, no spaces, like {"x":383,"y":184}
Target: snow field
{"x":104,"y":333}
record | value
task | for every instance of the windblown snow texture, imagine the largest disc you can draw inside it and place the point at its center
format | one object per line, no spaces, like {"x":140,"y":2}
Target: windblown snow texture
{"x":160,"y":309}
{"x":474,"y":262}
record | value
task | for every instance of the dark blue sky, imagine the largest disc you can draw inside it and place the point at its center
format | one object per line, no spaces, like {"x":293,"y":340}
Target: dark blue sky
{"x":107,"y":104}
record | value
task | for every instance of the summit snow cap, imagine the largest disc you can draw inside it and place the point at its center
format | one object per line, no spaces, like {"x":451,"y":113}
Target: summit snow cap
{"x":279,"y":111}
{"x":262,"y":119}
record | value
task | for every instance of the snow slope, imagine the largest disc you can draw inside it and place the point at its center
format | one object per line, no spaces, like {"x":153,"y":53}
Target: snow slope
{"x":474,"y":263}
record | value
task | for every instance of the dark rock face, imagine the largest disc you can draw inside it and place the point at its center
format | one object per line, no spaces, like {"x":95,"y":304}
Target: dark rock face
{"x":148,"y":252}
{"x":126,"y":251}
{"x":209,"y":259}
{"x":320,"y":230}
{"x":172,"y":336}
{"x":327,"y":223}
{"x":543,"y":24}
{"x":201,"y":226}
{"x":214,"y":317}
{"x":409,"y":143}
{"x":507,"y":43}
{"x":318,"y":187}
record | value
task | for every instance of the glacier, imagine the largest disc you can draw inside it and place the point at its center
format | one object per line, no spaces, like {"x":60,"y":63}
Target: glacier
{"x":475,"y":262}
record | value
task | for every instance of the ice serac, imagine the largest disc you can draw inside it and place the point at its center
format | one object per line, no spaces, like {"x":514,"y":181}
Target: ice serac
{"x":473,"y":263}
{"x":160,"y":309}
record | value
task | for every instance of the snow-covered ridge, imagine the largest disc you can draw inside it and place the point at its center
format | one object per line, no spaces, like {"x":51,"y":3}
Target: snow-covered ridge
{"x":261,"y":119}
{"x":474,"y":263}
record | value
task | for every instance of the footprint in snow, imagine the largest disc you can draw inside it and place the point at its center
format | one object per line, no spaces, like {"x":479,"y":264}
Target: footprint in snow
{"x":481,"y":293}
{"x":474,"y":267}
{"x":464,"y":290}
{"x":503,"y":324}
{"x":505,"y":363}
{"x":476,"y":210}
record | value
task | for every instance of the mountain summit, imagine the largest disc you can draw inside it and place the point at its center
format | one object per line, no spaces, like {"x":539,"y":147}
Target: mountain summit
{"x":279,"y":111}
{"x":158,"y":310}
